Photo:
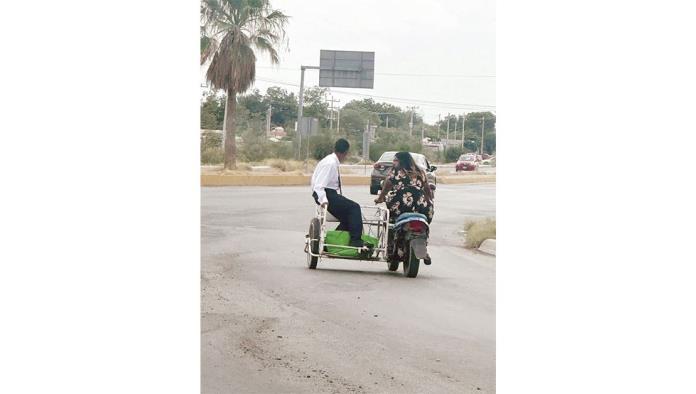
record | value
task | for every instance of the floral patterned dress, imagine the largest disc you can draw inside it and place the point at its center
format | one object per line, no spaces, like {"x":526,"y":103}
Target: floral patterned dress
{"x":407,"y":195}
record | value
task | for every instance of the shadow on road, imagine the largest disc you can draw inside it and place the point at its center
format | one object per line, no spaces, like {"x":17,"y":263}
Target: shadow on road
{"x":389,"y":274}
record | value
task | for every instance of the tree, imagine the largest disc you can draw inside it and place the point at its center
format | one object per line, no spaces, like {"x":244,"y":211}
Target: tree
{"x":212,"y":111}
{"x":354,"y":120}
{"x":473,"y":131}
{"x":314,"y":104}
{"x":284,"y":106}
{"x":253,"y":102}
{"x":230,"y":33}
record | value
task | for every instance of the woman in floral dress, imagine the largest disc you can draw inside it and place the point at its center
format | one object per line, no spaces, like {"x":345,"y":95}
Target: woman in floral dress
{"x":406,"y":189}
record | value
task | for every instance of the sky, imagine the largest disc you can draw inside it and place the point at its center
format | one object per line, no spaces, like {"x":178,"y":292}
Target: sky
{"x":447,"y":48}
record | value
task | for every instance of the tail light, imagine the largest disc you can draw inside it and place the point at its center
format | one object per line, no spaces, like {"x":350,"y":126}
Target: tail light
{"x":416,"y":226}
{"x":377,"y":166}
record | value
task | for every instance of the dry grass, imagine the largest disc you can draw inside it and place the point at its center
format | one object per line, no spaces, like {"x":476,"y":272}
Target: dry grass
{"x":478,"y":230}
{"x":212,"y":156}
{"x":290,"y":165}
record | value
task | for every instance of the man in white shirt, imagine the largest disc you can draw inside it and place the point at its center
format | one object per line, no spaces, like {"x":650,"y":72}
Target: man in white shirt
{"x":326,"y":190}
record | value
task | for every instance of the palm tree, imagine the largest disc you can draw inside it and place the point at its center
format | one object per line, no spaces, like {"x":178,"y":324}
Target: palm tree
{"x":230,"y":32}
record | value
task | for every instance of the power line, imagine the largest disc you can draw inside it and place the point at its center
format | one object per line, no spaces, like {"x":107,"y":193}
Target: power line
{"x":430,"y":103}
{"x":436,"y":75}
{"x":398,"y":74}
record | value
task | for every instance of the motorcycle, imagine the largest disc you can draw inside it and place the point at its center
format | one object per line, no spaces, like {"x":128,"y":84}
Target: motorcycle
{"x":407,"y":243}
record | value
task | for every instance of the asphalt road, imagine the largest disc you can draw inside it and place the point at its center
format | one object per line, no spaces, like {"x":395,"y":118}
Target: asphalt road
{"x":270,"y":325}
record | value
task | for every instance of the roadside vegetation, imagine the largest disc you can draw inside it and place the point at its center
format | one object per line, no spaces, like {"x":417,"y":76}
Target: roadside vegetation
{"x":478,"y":230}
{"x":391,"y":134}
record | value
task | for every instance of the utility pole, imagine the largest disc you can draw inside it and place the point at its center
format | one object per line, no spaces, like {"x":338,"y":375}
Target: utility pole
{"x":439,"y":125}
{"x":366,"y":142}
{"x":332,"y":111}
{"x":456,"y":121}
{"x":387,"y":120}
{"x":300,"y":105}
{"x":331,"y":115}
{"x":338,"y":121}
{"x":483,"y":123}
{"x":447,"y":140}
{"x":410,"y":125}
{"x":268,"y":121}
{"x":463,"y":128}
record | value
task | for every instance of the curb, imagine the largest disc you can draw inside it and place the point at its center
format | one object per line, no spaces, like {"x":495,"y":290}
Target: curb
{"x":487,"y":247}
{"x":451,"y":180}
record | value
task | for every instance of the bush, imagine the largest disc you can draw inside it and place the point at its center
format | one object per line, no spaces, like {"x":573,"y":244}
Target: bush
{"x":282,"y":150}
{"x":452,"y":154}
{"x":212,"y":156}
{"x":394,"y":140}
{"x":478,"y":230}
{"x":433,"y":156}
{"x":321,"y":146}
{"x":253,"y":151}
{"x":353,"y":159}
{"x":211,"y":140}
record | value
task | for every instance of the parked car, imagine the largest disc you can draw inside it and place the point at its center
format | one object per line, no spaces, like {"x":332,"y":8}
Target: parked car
{"x":467,"y":162}
{"x":385,"y":163}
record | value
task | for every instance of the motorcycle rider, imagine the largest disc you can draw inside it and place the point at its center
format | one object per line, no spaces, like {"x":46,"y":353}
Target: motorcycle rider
{"x":406,"y":189}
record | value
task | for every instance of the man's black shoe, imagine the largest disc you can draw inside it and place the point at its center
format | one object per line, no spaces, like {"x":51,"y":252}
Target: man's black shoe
{"x":358,"y":243}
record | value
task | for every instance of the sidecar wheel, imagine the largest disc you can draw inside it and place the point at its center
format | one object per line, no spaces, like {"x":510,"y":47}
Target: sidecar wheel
{"x":314,"y":228}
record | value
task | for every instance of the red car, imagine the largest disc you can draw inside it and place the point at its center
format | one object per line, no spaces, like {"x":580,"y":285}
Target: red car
{"x":467,"y":162}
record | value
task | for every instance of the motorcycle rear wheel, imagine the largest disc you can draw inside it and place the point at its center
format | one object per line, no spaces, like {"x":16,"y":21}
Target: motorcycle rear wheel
{"x":411,"y":263}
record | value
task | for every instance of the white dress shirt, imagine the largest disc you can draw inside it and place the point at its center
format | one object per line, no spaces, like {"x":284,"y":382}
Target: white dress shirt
{"x":326,"y":175}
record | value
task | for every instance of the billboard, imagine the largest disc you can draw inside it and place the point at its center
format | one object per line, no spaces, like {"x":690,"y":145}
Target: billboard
{"x":346,"y":69}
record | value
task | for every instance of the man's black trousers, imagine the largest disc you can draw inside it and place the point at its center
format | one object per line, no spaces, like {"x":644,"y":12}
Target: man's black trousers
{"x":346,"y":211}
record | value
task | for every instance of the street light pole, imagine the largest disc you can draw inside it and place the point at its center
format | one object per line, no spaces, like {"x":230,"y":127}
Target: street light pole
{"x":300,"y":125}
{"x":299,"y":114}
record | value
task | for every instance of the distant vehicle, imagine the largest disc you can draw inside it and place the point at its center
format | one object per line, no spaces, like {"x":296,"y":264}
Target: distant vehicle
{"x":467,"y":162}
{"x":385,"y":163}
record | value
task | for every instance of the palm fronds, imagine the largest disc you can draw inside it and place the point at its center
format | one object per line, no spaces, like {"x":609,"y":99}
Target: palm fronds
{"x":230,"y":32}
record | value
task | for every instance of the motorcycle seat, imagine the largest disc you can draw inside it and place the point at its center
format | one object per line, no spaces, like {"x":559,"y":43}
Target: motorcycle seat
{"x":408,"y":217}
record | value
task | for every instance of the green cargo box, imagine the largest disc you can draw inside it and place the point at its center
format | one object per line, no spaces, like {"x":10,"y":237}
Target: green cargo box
{"x":343,"y":238}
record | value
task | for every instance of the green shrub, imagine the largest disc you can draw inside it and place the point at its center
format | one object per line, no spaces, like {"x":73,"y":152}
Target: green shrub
{"x":433,"y":156}
{"x":211,"y":140}
{"x":282,"y":150}
{"x":212,"y":156}
{"x":321,"y":145}
{"x":452,"y":154}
